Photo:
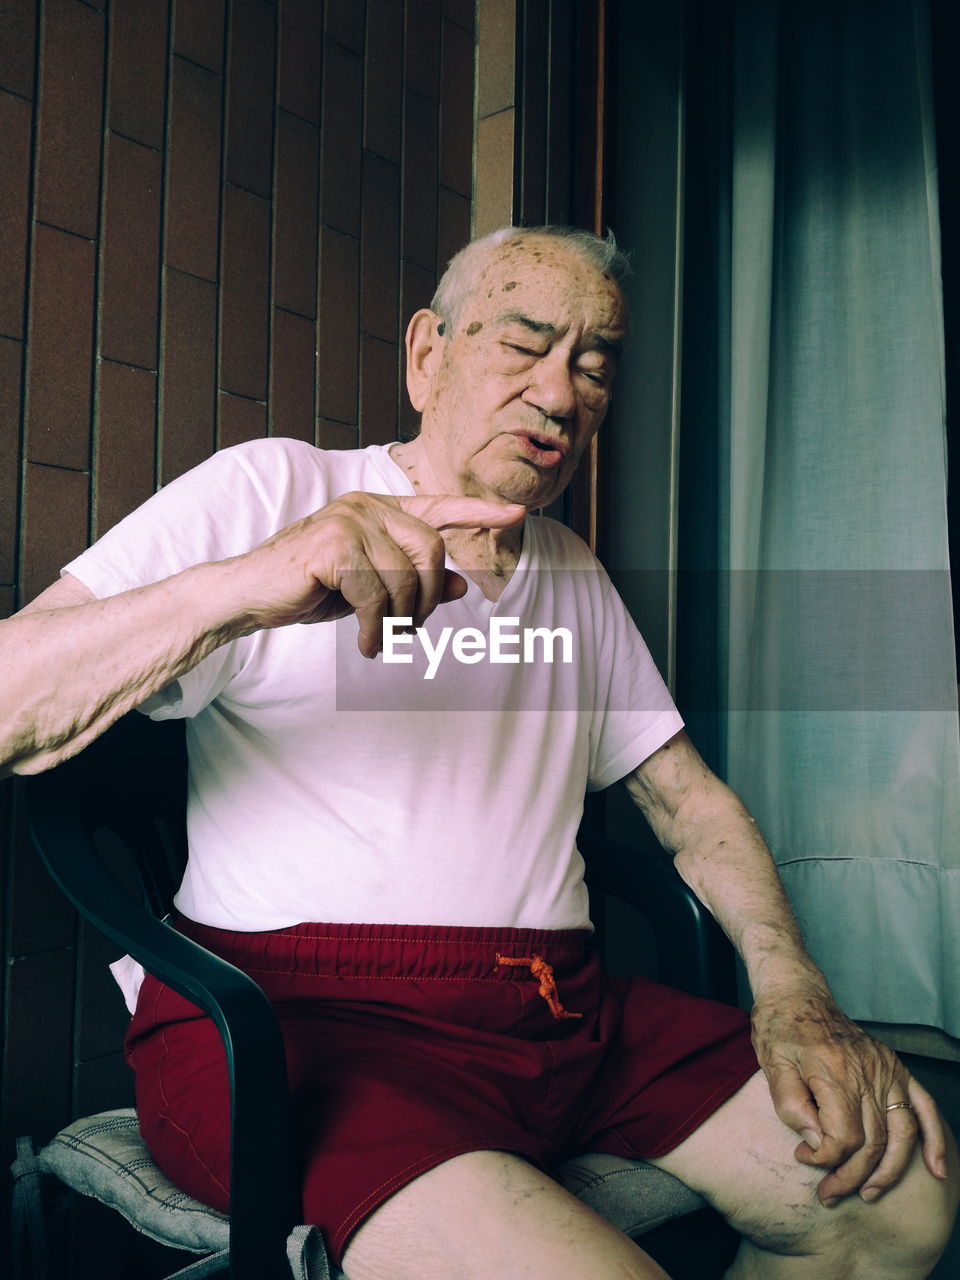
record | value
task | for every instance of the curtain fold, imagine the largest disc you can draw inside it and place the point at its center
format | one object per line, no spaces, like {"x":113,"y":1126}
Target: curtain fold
{"x":837,"y":667}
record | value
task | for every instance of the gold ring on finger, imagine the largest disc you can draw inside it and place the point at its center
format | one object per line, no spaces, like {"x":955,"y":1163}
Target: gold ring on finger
{"x":896,"y":1106}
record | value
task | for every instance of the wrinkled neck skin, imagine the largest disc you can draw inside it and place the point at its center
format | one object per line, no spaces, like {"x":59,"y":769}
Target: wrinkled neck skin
{"x":488,"y":556}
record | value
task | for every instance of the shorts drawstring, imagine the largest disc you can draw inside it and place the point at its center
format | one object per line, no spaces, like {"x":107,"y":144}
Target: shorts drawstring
{"x":548,"y":984}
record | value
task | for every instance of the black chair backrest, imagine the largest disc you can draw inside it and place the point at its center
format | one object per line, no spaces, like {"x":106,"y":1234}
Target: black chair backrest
{"x":129,"y":786}
{"x":119,"y":808}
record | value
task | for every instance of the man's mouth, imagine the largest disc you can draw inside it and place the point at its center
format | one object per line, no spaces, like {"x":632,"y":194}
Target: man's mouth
{"x":541,"y":449}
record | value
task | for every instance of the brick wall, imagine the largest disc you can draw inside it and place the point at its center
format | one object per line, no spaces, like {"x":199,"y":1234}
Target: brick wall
{"x":214,"y":215}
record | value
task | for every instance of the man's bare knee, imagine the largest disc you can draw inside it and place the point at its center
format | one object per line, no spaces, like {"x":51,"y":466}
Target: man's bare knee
{"x":742,"y":1160}
{"x":899,"y":1237}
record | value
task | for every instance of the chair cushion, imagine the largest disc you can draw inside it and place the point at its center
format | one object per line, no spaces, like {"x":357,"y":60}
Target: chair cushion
{"x":632,"y":1195}
{"x":104,"y":1156}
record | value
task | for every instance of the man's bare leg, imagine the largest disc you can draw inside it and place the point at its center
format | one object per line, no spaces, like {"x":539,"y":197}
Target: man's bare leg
{"x":491,"y":1214}
{"x":741,"y":1160}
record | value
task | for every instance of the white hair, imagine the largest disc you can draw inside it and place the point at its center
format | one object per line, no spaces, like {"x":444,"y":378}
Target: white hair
{"x":600,"y":252}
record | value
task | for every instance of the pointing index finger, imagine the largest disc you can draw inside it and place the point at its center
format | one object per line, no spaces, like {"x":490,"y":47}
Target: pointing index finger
{"x":448,"y":511}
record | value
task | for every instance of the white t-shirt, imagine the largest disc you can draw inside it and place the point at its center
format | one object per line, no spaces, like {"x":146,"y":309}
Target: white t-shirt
{"x":328,"y":787}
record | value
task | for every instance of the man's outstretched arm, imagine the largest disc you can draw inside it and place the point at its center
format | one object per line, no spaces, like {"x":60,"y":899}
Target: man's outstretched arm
{"x":830,"y":1082}
{"x":73,"y":664}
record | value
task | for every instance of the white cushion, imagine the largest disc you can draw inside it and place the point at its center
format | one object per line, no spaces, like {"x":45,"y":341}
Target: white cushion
{"x":104,"y":1156}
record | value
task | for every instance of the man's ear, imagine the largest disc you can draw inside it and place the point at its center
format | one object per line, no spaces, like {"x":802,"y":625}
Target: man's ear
{"x":424,"y":344}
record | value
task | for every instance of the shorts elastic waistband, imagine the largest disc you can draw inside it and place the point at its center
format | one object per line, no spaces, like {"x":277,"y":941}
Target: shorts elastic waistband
{"x":387,"y":950}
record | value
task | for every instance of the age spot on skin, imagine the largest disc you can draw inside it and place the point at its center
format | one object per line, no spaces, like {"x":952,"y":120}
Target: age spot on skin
{"x":473,"y":328}
{"x":511,"y":284}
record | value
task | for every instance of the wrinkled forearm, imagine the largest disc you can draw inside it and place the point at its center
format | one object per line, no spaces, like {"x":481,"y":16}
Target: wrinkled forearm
{"x":725,"y":860}
{"x":70,"y":672}
{"x":722,"y":856}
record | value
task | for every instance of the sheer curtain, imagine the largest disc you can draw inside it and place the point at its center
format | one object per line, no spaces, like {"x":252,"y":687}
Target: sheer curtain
{"x":837,"y":670}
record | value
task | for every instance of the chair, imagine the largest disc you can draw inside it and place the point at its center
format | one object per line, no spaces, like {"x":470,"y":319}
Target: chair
{"x":110,"y":827}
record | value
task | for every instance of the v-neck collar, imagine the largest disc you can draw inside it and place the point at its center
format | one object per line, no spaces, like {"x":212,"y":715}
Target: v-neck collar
{"x":474,"y":595}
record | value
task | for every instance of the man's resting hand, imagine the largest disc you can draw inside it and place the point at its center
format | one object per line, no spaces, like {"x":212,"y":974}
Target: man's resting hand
{"x":370,"y":554}
{"x":831,"y":1083}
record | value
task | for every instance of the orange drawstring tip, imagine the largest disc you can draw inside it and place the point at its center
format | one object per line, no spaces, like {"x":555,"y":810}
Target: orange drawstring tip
{"x":542,"y":971}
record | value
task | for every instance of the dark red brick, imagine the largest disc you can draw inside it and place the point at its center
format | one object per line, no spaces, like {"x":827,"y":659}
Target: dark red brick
{"x":250,"y":96}
{"x":126,"y":442}
{"x":456,"y":110}
{"x":416,"y":290}
{"x":193,"y":171}
{"x":295,"y":216}
{"x":71,"y":92}
{"x":300,"y":59}
{"x":383,"y":79}
{"x":244,"y":294}
{"x":422,"y":47}
{"x":130,"y":262}
{"x":138,"y":69}
{"x":15,"y":130}
{"x":55,"y":524}
{"x":18,"y":31}
{"x":188,"y":398}
{"x":336,"y":435}
{"x":453,"y":230}
{"x":380,"y":248}
{"x":461,"y":12}
{"x":342,"y":138}
{"x":421,"y":151}
{"x":198,"y":31}
{"x":60,"y":354}
{"x":11,"y":355}
{"x":239,"y":420}
{"x":379,"y":362}
{"x":338,"y":324}
{"x":293,"y":380}
{"x":345,"y":23}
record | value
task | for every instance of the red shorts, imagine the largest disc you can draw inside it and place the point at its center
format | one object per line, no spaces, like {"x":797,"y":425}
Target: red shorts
{"x":407,"y":1046}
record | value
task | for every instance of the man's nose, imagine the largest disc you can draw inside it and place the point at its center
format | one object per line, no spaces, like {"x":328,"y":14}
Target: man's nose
{"x":551,"y":388}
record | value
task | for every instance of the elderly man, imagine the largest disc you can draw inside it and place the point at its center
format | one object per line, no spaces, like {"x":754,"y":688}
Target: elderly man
{"x":449,"y":1033}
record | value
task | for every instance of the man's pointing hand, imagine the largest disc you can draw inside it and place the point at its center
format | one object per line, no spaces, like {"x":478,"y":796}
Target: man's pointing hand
{"x":370,"y":554}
